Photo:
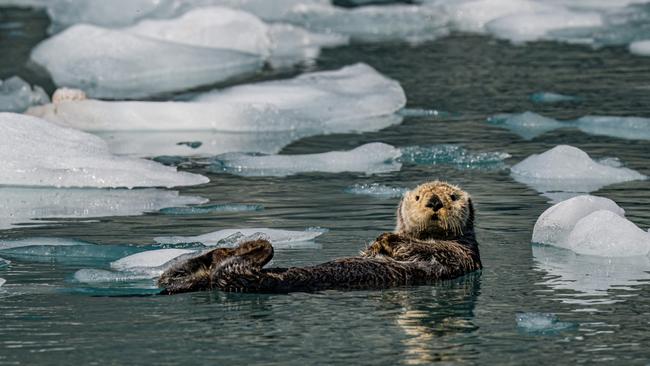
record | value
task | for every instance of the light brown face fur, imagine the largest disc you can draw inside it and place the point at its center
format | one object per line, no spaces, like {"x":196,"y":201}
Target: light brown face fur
{"x":434,"y":210}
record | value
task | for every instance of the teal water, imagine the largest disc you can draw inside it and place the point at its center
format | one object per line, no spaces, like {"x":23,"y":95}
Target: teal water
{"x":46,"y":318}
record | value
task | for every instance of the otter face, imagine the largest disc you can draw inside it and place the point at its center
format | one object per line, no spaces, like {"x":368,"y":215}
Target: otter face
{"x":435,"y":210}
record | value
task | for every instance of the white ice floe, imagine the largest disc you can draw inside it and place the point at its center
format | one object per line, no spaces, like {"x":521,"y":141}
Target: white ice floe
{"x":568,"y":169}
{"x":641,"y":48}
{"x":527,"y":125}
{"x":16,"y":95}
{"x":549,"y":98}
{"x":232,"y":237}
{"x":589,"y":277}
{"x":62,"y":249}
{"x":541,"y":323}
{"x":291,"y":44}
{"x":40,"y":206}
{"x":633,"y":128}
{"x":555,"y":224}
{"x":149,"y":258}
{"x":376,"y":189}
{"x":370,"y":158}
{"x":39,"y":153}
{"x":2,"y":281}
{"x":111,"y":63}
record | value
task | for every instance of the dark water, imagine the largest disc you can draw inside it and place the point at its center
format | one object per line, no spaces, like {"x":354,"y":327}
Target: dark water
{"x":466,"y":321}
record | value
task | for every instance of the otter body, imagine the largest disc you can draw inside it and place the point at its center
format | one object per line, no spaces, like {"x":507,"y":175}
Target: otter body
{"x":434,"y":240}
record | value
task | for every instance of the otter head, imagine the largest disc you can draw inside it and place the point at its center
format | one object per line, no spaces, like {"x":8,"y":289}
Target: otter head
{"x":436,"y":210}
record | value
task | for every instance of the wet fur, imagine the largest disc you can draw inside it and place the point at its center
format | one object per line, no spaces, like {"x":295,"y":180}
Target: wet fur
{"x":427,"y":246}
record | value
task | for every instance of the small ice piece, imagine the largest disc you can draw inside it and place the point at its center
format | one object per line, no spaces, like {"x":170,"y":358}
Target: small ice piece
{"x":108,"y":63}
{"x":279,"y":238}
{"x":541,"y":323}
{"x":291,"y":44}
{"x":632,"y":128}
{"x":555,"y":224}
{"x":149,"y":258}
{"x":549,"y":98}
{"x":370,"y":158}
{"x":39,"y":153}
{"x":211,"y":27}
{"x":604,"y":233}
{"x":528,"y":125}
{"x":519,"y":28}
{"x":41,"y":206}
{"x":568,"y":169}
{"x":16,"y":95}
{"x":4,"y":262}
{"x":589,"y":276}
{"x":62,"y":250}
{"x":199,"y":210}
{"x":451,"y":154}
{"x":376,"y":189}
{"x":2,"y":281}
{"x":89,"y":275}
{"x":641,"y":48}
{"x":373,"y":23}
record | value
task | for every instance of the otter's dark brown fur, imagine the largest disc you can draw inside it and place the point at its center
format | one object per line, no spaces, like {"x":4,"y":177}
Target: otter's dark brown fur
{"x":434,"y":240}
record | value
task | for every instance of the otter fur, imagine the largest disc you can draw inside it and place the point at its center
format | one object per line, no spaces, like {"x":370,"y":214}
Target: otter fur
{"x":434,"y":240}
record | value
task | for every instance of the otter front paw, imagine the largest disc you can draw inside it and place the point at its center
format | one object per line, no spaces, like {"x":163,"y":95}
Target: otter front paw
{"x":385,"y":244}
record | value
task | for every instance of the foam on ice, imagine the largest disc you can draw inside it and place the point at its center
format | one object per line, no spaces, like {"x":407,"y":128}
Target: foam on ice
{"x":566,"y":168}
{"x":39,"y":153}
{"x":43,"y":205}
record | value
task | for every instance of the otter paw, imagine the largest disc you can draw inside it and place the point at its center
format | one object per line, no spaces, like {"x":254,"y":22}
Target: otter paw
{"x":257,"y":252}
{"x":385,"y":244}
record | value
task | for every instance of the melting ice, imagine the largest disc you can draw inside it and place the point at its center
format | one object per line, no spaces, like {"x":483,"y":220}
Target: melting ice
{"x":39,"y":153}
{"x":62,"y":250}
{"x":16,"y":95}
{"x":549,"y":98}
{"x":232,"y":237}
{"x":541,"y":323}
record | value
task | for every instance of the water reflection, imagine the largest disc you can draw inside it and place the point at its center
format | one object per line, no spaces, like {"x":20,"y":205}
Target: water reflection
{"x":589,"y":280}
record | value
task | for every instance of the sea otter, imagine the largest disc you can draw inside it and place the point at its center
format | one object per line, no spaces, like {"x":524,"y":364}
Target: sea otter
{"x":434,"y":240}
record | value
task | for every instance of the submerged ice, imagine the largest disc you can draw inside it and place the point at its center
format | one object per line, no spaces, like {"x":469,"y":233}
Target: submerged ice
{"x":568,"y":169}
{"x":16,"y":95}
{"x":198,"y":210}
{"x":43,"y":205}
{"x":39,"y":153}
{"x":232,"y":237}
{"x":549,"y":98}
{"x":62,"y":250}
{"x":541,"y":323}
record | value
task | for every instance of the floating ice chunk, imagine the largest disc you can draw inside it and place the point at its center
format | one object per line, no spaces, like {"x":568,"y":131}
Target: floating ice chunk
{"x":2,"y":281}
{"x":370,"y":158}
{"x":541,"y":323}
{"x":116,"y":64}
{"x":451,"y":154}
{"x":4,"y":262}
{"x":149,"y":258}
{"x":520,"y":28}
{"x":548,"y":98}
{"x":372,"y":23}
{"x":39,"y":153}
{"x":197,"y":210}
{"x":62,"y":250}
{"x":291,"y":44}
{"x":211,"y":27}
{"x":88,"y":275}
{"x":633,"y":128}
{"x":606,"y":234}
{"x":568,"y":169}
{"x":16,"y":95}
{"x":555,"y":224}
{"x":40,"y":206}
{"x":641,"y":48}
{"x":114,"y":13}
{"x":589,"y":276}
{"x":231,"y":237}
{"x":376,"y":189}
{"x":274,"y":11}
{"x":528,"y":125}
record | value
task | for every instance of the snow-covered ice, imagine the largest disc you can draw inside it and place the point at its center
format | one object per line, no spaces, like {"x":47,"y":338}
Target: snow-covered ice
{"x":198,"y":210}
{"x":370,"y":158}
{"x":16,"y":95}
{"x":39,"y":153}
{"x":550,"y":98}
{"x":149,"y":258}
{"x":566,"y":168}
{"x":232,"y":237}
{"x":376,"y":189}
{"x":555,"y":224}
{"x":541,"y":323}
{"x":43,"y":205}
{"x":109,"y":63}
{"x":528,"y":125}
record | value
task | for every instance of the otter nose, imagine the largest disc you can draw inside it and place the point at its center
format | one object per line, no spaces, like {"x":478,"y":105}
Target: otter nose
{"x":434,"y":203}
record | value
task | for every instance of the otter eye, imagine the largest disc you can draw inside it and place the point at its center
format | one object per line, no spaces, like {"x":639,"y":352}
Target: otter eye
{"x":454,"y":197}
{"x":417,"y":198}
